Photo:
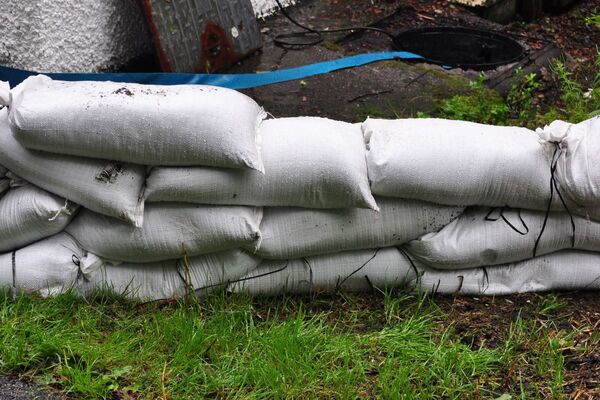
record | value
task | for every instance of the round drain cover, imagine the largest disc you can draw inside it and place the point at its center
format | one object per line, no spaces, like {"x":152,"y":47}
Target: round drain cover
{"x":460,"y":47}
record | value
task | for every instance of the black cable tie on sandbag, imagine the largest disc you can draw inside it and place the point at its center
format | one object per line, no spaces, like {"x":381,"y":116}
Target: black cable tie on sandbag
{"x":77,"y":262}
{"x":486,"y":281}
{"x":412,"y":264}
{"x":358,"y":269}
{"x":14,"y":275}
{"x":460,"y":285}
{"x":287,"y":262}
{"x":554,"y":186}
{"x":177,"y":269}
{"x":502,"y":209}
{"x":310,"y":271}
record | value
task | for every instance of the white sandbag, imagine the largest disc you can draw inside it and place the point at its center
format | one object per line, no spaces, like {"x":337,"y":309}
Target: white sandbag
{"x":166,"y":279}
{"x":28,"y":214}
{"x":577,"y":161}
{"x":108,"y":188}
{"x":170,"y":231}
{"x":388,"y":268}
{"x":49,"y":267}
{"x":360,"y":270}
{"x":564,"y":270}
{"x":298,"y":232}
{"x":473,"y":240}
{"x":145,"y":124}
{"x":309,"y":162}
{"x":457,"y":162}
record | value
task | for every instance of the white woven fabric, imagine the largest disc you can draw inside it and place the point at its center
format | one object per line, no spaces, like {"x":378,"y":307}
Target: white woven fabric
{"x":48,"y":267}
{"x":309,"y":162}
{"x":472,"y":241}
{"x":145,"y":124}
{"x":564,"y":270}
{"x":166,"y":279}
{"x":577,"y":167}
{"x":108,"y":188}
{"x":350,"y":271}
{"x":28,"y":214}
{"x":457,"y":162}
{"x":388,"y":268}
{"x":299,"y":232}
{"x":170,"y":231}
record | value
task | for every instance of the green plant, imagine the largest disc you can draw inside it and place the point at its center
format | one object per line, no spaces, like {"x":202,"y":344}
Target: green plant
{"x":482,"y":105}
{"x":578,"y":103}
{"x":593,"y":20}
{"x":520,"y":96}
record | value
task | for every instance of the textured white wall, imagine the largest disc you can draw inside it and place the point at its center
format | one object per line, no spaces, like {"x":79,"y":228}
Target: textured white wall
{"x":79,"y":35}
{"x":263,"y":8}
{"x":71,"y":35}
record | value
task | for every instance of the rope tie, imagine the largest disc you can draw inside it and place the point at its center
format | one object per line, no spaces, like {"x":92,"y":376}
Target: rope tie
{"x":555,"y":187}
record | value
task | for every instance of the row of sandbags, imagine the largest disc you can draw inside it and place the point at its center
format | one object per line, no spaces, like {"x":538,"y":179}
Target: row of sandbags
{"x":56,"y":264}
{"x":477,"y":237}
{"x":209,"y":145}
{"x":220,"y":179}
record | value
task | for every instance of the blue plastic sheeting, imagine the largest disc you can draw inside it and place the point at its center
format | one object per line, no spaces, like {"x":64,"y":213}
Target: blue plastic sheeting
{"x":232,"y":81}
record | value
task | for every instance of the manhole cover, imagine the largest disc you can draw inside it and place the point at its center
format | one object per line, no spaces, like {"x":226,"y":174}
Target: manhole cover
{"x":460,"y":47}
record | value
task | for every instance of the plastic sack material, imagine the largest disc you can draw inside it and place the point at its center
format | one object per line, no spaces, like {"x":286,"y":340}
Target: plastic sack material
{"x":458,"y":162}
{"x":108,"y":188}
{"x":564,"y":270}
{"x":167,"y":279}
{"x":170,"y":231}
{"x":483,"y":237}
{"x":49,"y":267}
{"x":368,"y":270}
{"x":28,"y":214}
{"x":298,"y":232}
{"x":577,"y":160}
{"x":353,"y":271}
{"x":309,"y":162}
{"x":134,"y":123}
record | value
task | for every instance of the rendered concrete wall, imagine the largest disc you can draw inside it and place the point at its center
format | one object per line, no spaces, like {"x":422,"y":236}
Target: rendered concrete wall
{"x":264,"y":8}
{"x":71,"y":35}
{"x":79,"y":35}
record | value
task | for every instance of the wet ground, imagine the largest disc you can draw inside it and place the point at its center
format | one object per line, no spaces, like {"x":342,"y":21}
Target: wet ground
{"x":15,"y":388}
{"x":395,"y":88}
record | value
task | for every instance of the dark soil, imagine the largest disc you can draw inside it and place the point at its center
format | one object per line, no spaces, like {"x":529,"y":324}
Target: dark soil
{"x":486,"y":322}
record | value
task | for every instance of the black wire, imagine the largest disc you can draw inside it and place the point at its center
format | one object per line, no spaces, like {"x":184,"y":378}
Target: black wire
{"x":340,"y":283}
{"x":487,"y":280}
{"x":412,"y":264}
{"x":245,"y":279}
{"x":310,"y":270}
{"x":317,"y":34}
{"x":488,"y":218}
{"x":554,"y":186}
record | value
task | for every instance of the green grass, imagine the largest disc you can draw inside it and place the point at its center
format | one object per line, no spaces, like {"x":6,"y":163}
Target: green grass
{"x":577,"y":103}
{"x":392,"y":346}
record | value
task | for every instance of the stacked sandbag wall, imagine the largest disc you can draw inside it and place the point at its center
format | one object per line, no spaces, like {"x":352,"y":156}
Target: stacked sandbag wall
{"x":155,"y":192}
